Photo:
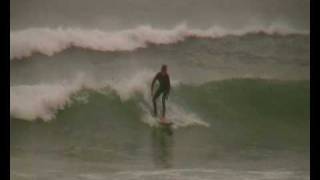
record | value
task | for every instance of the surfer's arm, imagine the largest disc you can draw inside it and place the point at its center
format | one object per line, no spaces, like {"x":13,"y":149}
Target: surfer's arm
{"x":169,"y":87}
{"x":169,"y":83}
{"x":153,"y":81}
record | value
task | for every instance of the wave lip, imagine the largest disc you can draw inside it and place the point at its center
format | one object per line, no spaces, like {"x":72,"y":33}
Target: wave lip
{"x":47,"y":41}
{"x":43,"y":101}
{"x":39,"y":101}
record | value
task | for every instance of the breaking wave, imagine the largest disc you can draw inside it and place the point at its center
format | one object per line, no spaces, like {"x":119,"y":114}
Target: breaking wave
{"x":47,"y":41}
{"x":187,"y":105}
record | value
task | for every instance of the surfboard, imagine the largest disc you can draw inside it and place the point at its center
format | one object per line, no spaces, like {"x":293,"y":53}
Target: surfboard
{"x":165,"y":122}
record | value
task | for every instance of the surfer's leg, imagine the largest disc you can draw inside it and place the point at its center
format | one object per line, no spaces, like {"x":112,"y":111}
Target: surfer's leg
{"x":164,"y":97}
{"x":154,"y":99}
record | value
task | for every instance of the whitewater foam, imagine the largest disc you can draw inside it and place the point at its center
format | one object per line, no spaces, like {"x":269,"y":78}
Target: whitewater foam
{"x":48,"y":41}
{"x":177,"y":115}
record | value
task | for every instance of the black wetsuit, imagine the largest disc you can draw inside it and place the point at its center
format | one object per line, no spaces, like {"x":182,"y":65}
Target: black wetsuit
{"x":163,"y":89}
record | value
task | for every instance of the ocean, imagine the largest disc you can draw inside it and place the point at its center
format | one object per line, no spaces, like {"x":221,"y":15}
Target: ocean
{"x":80,"y":102}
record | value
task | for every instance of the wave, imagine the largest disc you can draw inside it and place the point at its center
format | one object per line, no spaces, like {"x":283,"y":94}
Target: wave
{"x":188,"y":105}
{"x":237,"y":113}
{"x":48,"y":41}
{"x":47,"y":107}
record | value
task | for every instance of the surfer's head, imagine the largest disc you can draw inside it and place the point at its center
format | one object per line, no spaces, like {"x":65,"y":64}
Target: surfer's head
{"x":164,"y":68}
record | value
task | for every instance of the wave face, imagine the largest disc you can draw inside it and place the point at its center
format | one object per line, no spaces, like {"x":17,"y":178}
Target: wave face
{"x":241,"y":99}
{"x":247,"y":108}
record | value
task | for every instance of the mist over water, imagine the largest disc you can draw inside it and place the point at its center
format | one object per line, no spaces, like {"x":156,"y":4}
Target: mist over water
{"x":80,"y":102}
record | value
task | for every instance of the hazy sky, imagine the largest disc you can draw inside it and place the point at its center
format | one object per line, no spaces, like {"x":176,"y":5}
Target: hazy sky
{"x":164,"y":13}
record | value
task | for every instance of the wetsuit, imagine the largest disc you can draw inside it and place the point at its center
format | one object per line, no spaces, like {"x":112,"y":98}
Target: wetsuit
{"x":163,"y":89}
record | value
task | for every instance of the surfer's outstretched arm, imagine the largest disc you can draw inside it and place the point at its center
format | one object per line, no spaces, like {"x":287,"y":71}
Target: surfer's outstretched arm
{"x":154,"y":96}
{"x":152,"y":84}
{"x":168,"y":88}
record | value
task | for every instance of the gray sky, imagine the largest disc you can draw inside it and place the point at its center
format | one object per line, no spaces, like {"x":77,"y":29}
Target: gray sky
{"x":116,"y":14}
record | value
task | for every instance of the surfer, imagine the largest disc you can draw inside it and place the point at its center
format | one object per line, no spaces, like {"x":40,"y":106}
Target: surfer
{"x":164,"y":89}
